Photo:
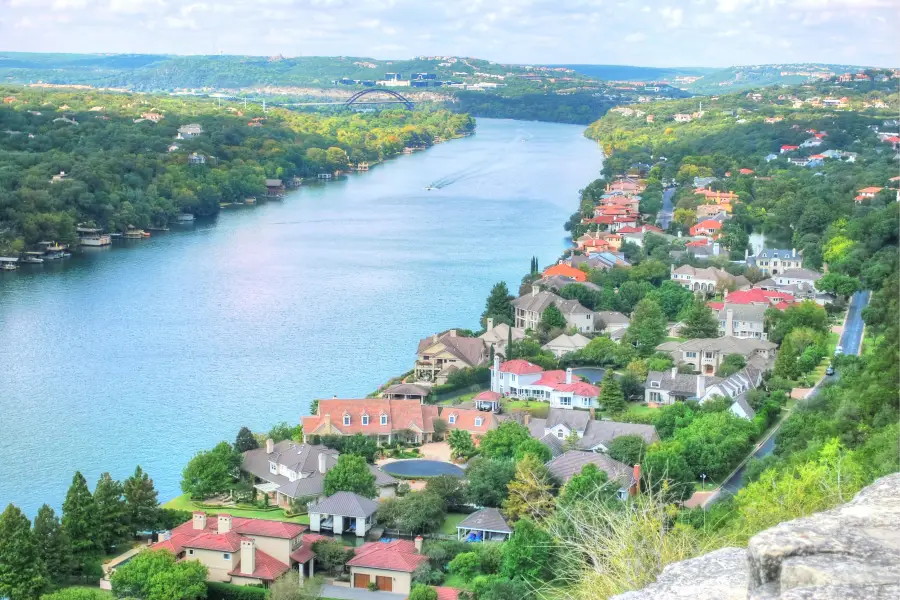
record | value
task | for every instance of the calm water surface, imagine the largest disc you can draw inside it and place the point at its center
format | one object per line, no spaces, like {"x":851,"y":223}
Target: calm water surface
{"x":148,"y":353}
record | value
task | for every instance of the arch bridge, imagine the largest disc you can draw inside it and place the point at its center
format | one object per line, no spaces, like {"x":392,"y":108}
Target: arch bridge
{"x":398,"y":97}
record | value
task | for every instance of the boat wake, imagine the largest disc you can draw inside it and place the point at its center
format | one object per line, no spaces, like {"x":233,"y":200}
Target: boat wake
{"x":477,"y":169}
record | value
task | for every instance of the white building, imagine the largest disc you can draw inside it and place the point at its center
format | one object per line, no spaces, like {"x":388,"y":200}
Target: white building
{"x":521,"y":379}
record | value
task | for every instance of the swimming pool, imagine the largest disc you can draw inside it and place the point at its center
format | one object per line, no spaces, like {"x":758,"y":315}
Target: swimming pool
{"x":422,"y":468}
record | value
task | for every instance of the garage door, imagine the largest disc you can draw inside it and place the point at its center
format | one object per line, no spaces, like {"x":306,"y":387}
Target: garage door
{"x":385,"y":584}
{"x":360,"y":580}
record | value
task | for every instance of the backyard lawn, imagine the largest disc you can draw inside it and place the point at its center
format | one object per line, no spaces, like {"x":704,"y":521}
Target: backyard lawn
{"x":537,"y":409}
{"x":450,"y":523}
{"x":184,"y":502}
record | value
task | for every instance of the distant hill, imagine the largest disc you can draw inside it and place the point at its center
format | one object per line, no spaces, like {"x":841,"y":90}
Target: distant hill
{"x":753,"y":76}
{"x":632,"y":73}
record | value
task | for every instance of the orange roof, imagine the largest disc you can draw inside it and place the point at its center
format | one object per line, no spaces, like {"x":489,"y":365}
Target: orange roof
{"x":464,"y":418}
{"x":708,"y":224}
{"x":267,"y":568}
{"x":746,"y":171}
{"x":399,"y":555}
{"x":567,"y":271}
{"x":402,"y":414}
{"x":519,"y":366}
{"x":870,"y":190}
{"x":447,"y":593}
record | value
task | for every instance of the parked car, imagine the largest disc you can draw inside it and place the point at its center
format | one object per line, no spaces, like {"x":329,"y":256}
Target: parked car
{"x":839,"y":350}
{"x":829,"y":371}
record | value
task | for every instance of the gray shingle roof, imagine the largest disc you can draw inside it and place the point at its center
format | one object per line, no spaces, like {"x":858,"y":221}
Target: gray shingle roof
{"x":407,"y":389}
{"x":573,"y":419}
{"x":346,"y":504}
{"x":486,"y":519}
{"x":678,"y":383}
{"x":744,"y":312}
{"x":800,"y":274}
{"x":570,"y":464}
{"x":558,"y":282}
{"x":541,"y":300}
{"x":726,"y":344}
{"x":604,"y":432}
{"x":554,"y":443}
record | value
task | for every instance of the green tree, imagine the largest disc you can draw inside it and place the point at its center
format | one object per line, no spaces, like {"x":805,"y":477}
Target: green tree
{"x":488,"y":479}
{"x":715,"y":442}
{"x":54,"y":547}
{"x":360,"y":445}
{"x":141,"y":501}
{"x":838,"y":284}
{"x":22,"y":572}
{"x":603,"y":351}
{"x":530,"y":491}
{"x":419,"y":513}
{"x":461,"y":444}
{"x":283,"y":431}
{"x":331,"y":555}
{"x":245,"y":440}
{"x":800,"y":315}
{"x":498,"y":306}
{"x":535,"y":447}
{"x":158,"y":575}
{"x":731,"y":364}
{"x":422,"y":592}
{"x":672,"y":298}
{"x":351,"y":474}
{"x":528,"y":552}
{"x":79,"y":520}
{"x":212,"y":472}
{"x":665,"y":471}
{"x":628,"y":449}
{"x":287,"y":587}
{"x":503,"y":441}
{"x":589,"y":484}
{"x":647,"y":329}
{"x":451,"y":490}
{"x":699,"y":321}
{"x":466,"y":565}
{"x":611,"y":397}
{"x":552,"y":318}
{"x":110,"y":513}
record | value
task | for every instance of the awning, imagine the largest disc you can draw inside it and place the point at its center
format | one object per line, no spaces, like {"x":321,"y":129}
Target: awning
{"x":267,"y":488}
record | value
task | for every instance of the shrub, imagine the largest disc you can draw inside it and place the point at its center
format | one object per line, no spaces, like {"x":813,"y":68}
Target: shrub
{"x":466,"y":565}
{"x":228,"y":591}
{"x":77,"y":593}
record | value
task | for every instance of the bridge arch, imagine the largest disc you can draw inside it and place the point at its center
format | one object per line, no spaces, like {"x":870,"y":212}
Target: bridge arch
{"x":355,"y":97}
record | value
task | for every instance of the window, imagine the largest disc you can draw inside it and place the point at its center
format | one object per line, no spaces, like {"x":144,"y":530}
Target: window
{"x":478,"y":421}
{"x":452,"y":419}
{"x":273,"y":468}
{"x":365,"y":419}
{"x":191,"y":551}
{"x":565,"y":401}
{"x":691,"y":354}
{"x":709,"y":354}
{"x":654,"y":384}
{"x":559,"y":434}
{"x":384,"y":419}
{"x":654,"y":396}
{"x":346,"y":419}
{"x":226,"y":556}
{"x":585,"y":401}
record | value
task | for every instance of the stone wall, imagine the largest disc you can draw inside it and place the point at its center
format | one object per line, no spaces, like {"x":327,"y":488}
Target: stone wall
{"x":848,"y":553}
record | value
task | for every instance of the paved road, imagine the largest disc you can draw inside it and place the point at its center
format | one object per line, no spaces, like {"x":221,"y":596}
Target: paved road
{"x":851,"y":339}
{"x":343,"y":593}
{"x":665,"y":215}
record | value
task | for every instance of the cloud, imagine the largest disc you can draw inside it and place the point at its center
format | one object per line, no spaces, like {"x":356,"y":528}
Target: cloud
{"x":672,"y":16}
{"x":635,"y":37}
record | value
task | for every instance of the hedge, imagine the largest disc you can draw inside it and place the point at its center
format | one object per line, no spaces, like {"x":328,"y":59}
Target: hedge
{"x":228,"y":591}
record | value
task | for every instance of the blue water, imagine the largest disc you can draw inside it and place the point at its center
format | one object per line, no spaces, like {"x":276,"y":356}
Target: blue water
{"x":148,"y":353}
{"x":422,"y":468}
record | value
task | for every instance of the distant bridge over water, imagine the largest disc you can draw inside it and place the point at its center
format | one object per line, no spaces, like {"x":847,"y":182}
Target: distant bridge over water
{"x":360,"y":98}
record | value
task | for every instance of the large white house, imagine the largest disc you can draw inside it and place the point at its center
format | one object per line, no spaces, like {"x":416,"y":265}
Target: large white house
{"x":521,"y":379}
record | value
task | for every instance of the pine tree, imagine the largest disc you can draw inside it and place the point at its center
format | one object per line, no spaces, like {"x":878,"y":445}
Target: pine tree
{"x":498,"y":306}
{"x":53,"y":544}
{"x":22,"y":572}
{"x":110,"y":512}
{"x":142,"y":502}
{"x":78,"y":520}
{"x":552,"y":318}
{"x":611,"y":397}
{"x":245,"y":440}
{"x":699,"y":321}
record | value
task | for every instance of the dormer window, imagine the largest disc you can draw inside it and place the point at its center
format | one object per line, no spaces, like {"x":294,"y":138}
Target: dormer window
{"x":384,"y":419}
{"x":452,"y":419}
{"x":365,"y":419}
{"x":478,"y":421}
{"x":273,"y":467}
{"x":654,"y":384}
{"x":346,"y":419}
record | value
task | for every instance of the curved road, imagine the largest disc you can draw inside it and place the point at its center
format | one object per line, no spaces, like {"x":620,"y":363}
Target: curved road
{"x":664,"y":218}
{"x":851,"y":340}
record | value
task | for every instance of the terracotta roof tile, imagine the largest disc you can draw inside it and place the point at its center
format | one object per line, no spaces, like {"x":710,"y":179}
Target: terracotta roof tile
{"x":399,"y":555}
{"x":267,"y":567}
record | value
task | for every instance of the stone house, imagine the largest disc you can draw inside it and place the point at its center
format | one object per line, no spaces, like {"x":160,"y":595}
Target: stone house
{"x":530,"y":308}
{"x":772,"y":261}
{"x":706,"y":355}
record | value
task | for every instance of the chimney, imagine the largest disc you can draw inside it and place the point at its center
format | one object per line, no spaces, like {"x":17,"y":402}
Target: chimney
{"x":724,"y":294}
{"x":636,"y":485}
{"x":434,"y":339}
{"x":270,"y":446}
{"x":701,"y":385}
{"x":199,"y":521}
{"x":452,"y":333}
{"x":672,"y":271}
{"x":534,"y":290}
{"x":490,"y":323}
{"x":224,"y":523}
{"x":248,"y":556}
{"x":418,"y":542}
{"x":569,"y":375}
{"x":746,"y":253}
{"x":495,"y":373}
{"x":716,"y":249}
{"x":793,"y":252}
{"x":674,"y":371}
{"x":729,"y":322}
{"x":322,"y":458}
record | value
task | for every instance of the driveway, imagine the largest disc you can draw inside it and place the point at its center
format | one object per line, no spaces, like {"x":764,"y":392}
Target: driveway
{"x":344,"y":593}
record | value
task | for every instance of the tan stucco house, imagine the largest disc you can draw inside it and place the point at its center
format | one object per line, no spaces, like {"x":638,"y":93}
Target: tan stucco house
{"x":389,"y":565}
{"x":440,"y":355}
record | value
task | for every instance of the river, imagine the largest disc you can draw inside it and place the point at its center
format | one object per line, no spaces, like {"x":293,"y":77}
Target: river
{"x":148,"y":353}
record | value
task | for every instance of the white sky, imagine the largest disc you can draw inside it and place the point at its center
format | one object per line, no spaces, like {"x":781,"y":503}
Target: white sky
{"x":640,"y":32}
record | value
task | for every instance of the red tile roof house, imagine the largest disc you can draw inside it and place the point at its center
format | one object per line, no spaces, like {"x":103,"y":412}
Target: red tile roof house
{"x":476,"y":422}
{"x":707,"y":227}
{"x":384,"y":419}
{"x":522,"y":379}
{"x":566,"y":271}
{"x":389,"y":565}
{"x":787,"y":148}
{"x":238,"y":550}
{"x":867,"y":193}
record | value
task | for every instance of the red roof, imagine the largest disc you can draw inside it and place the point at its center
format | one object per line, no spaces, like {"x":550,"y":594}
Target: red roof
{"x":698,"y":243}
{"x":185,"y":536}
{"x":746,"y":171}
{"x":758,"y":296}
{"x":893,"y":139}
{"x":447,"y":593}
{"x":786,"y":147}
{"x":822,"y":156}
{"x":551,"y":378}
{"x":519,"y":367}
{"x":488,"y":396}
{"x":402,"y":414}
{"x":567,"y":271}
{"x":464,"y":418}
{"x":870,"y":190}
{"x":267,"y":567}
{"x":302,"y":554}
{"x":600,"y":220}
{"x":579,"y":388}
{"x":399,"y":555}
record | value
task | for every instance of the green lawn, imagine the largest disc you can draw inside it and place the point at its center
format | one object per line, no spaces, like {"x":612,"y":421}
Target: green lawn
{"x":87,"y":587}
{"x":455,"y":581}
{"x":537,"y":409}
{"x":450,"y":523}
{"x":458,"y":399}
{"x":819,"y":372}
{"x":183,"y":502}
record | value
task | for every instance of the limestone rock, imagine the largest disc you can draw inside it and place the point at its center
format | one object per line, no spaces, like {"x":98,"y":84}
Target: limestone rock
{"x":719,"y":575}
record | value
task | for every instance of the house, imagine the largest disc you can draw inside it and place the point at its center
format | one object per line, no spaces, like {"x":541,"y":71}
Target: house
{"x":612,"y":323}
{"x":811,"y":142}
{"x":565,"y":271}
{"x":196,"y":159}
{"x":799,"y":162}
{"x":343,"y":512}
{"x":555,"y":283}
{"x":593,"y":435}
{"x":707,"y":279}
{"x":564,"y":344}
{"x":708,"y":227}
{"x":602,"y":260}
{"x":477,"y":422}
{"x":236,"y":550}
{"x":867,"y":193}
{"x":407,"y":391}
{"x":797,"y":277}
{"x":61,"y":176}
{"x":703,"y":251}
{"x":497,"y":336}
{"x":681,"y":118}
{"x":191,"y":130}
{"x":735,"y":388}
{"x":770,"y":157}
{"x":382,"y":418}
{"x":667,"y":387}
{"x":484,"y":525}
{"x":746,"y":171}
{"x":788,"y":148}
{"x":522,"y":379}
{"x":772,"y":261}
{"x":717,"y":197}
{"x":287,"y":471}
{"x":705,"y":211}
{"x":758,"y":296}
{"x":566,"y":466}
{"x":441,"y":354}
{"x":742,"y":320}
{"x":706,"y":355}
{"x":389,"y":565}
{"x":530,"y":308}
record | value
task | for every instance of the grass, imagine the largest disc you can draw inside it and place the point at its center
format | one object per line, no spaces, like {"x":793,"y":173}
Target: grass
{"x":455,"y":581}
{"x":82,"y":586}
{"x":184,"y":502}
{"x":537,"y":409}
{"x":819,"y":372}
{"x":450,"y":523}
{"x":458,"y":399}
